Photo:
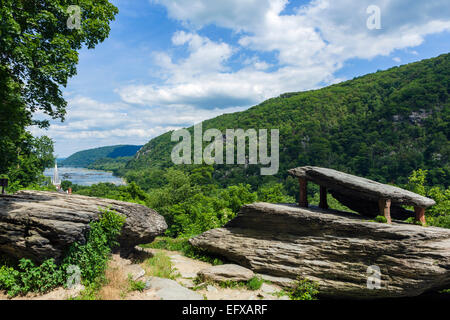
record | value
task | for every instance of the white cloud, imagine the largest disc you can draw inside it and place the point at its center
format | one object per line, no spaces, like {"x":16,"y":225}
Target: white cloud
{"x":310,"y":45}
{"x":91,"y":123}
{"x":233,"y":14}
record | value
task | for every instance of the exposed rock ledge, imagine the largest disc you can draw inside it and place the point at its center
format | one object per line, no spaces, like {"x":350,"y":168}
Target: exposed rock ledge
{"x":335,"y":249}
{"x":41,"y":225}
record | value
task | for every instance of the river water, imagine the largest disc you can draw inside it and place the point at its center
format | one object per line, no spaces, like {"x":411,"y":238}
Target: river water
{"x":84,"y":177}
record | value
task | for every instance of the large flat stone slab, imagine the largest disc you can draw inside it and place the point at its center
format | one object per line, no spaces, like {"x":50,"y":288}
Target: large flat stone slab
{"x":362,"y":188}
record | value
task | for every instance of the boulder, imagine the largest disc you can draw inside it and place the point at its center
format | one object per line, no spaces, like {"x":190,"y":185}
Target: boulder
{"x":42,"y":225}
{"x":339,"y":250}
{"x":226,"y":272}
{"x":167,"y":289}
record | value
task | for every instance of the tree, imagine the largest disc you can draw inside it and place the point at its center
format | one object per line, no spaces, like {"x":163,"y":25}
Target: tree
{"x":38,"y":54}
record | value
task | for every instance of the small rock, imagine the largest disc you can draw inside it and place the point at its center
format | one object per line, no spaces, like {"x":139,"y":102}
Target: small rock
{"x":283,"y":282}
{"x":166,"y":289}
{"x":210,"y":288}
{"x":226,"y":272}
{"x":75,"y":290}
{"x":188,"y":283}
{"x":135,"y":271}
{"x":188,"y":275}
{"x":267,"y":288}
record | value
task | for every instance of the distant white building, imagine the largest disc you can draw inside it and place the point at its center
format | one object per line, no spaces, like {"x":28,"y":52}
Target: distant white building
{"x":56,"y":181}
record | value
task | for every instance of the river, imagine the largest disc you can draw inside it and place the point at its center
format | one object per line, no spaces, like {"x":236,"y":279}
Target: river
{"x":84,"y":177}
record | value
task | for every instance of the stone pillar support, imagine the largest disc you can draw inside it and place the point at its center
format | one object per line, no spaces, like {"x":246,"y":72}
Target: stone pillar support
{"x":303,"y":195}
{"x":323,"y":198}
{"x":385,"y":209}
{"x":420,"y":215}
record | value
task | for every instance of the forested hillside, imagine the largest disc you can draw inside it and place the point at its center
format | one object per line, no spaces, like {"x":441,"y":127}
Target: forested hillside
{"x":381,"y":126}
{"x":100,"y":155}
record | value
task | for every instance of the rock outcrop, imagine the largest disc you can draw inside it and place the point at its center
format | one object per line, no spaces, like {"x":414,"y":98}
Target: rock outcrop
{"x":334,"y":248}
{"x":42,"y":225}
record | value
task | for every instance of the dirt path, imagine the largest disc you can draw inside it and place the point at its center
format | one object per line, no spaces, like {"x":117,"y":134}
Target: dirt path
{"x":185,"y":270}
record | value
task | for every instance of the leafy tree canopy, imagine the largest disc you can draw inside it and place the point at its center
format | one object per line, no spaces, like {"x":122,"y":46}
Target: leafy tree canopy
{"x":38,"y":54}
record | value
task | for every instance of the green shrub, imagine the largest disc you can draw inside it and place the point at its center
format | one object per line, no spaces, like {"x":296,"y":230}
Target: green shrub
{"x":304,"y":290}
{"x":255,"y":283}
{"x":29,"y":277}
{"x":135,"y":285}
{"x":93,"y":256}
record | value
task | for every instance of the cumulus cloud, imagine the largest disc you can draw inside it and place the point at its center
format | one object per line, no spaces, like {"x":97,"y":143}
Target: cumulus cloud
{"x":232,"y":14}
{"x":90,"y":123}
{"x":310,"y":45}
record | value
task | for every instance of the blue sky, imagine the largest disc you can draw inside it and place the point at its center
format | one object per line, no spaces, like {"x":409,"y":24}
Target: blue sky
{"x":171,"y":63}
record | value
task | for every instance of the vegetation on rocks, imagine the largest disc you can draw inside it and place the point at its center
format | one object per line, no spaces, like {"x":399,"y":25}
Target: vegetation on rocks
{"x":91,"y":259}
{"x":304,"y":289}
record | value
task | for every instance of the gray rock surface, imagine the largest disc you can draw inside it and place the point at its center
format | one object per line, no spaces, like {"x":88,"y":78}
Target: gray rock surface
{"x":267,"y":288}
{"x":135,"y":271}
{"x":335,"y":249}
{"x":42,"y":225}
{"x":166,"y":289}
{"x":360,"y":188}
{"x":226,"y":272}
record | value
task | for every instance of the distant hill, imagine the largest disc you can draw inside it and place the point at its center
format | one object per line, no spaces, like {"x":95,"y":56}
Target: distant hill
{"x":381,"y":126}
{"x":87,"y":157}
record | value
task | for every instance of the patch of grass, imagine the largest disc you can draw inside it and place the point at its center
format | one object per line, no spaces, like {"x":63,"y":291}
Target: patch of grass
{"x":160,"y":266}
{"x":413,"y":220}
{"x":231,"y":284}
{"x":255,"y":283}
{"x":304,"y":290}
{"x":135,"y":285}
{"x":91,"y":291}
{"x":380,"y":219}
{"x":182,"y":245}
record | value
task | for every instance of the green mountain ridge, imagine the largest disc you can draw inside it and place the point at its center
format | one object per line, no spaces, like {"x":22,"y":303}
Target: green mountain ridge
{"x":86,"y":158}
{"x":381,"y":126}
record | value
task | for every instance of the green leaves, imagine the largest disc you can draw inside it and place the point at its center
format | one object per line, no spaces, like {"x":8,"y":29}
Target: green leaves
{"x":92,"y":256}
{"x":38,"y":54}
{"x":304,"y":289}
{"x":439,"y":214}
